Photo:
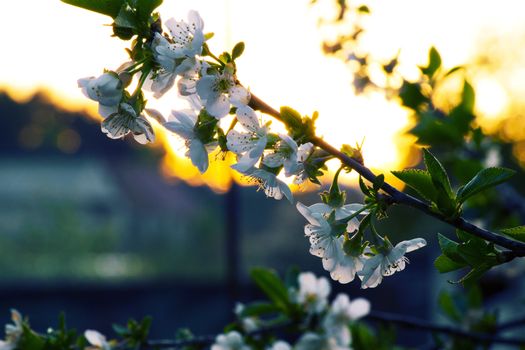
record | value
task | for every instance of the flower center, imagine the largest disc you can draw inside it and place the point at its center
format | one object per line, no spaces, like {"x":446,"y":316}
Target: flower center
{"x":223,"y":84}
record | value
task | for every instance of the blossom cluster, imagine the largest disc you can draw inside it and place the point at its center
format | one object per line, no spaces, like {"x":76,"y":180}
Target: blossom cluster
{"x":328,"y":243}
{"x":213,"y":92}
{"x":180,"y":57}
{"x":333,"y":329}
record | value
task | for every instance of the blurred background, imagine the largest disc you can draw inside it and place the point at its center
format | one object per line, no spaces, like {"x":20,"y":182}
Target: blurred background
{"x":106,"y":230}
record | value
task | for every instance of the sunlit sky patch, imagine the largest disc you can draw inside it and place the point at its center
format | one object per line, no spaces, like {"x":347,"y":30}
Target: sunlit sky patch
{"x":47,"y":44}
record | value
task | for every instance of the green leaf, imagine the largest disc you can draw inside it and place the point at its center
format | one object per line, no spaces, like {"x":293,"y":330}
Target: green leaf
{"x":291,"y":117}
{"x":126,"y":18}
{"x":483,"y":180}
{"x":272,"y":286}
{"x":106,"y":7}
{"x":474,"y":274}
{"x":146,"y":7}
{"x":477,"y":252}
{"x":238,"y":50}
{"x":420,"y":181}
{"x":378,"y":182}
{"x":450,"y":249}
{"x":434,"y":62}
{"x":444,"y":264}
{"x":446,"y":303}
{"x":411,"y":95}
{"x":363,"y":9}
{"x":364,"y":188}
{"x":30,"y":340}
{"x":259,"y":308}
{"x":437,"y":173}
{"x":468,"y":97}
{"x":463,"y":235}
{"x":517,"y":233}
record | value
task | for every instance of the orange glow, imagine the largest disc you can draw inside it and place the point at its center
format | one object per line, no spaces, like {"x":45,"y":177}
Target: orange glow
{"x":283,"y":64}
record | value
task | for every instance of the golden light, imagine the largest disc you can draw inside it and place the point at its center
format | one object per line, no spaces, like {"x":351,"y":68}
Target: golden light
{"x":491,"y":98}
{"x":53,"y":44}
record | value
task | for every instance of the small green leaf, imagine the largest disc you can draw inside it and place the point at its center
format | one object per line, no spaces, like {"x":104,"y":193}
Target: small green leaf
{"x":444,"y":264}
{"x":483,"y":180}
{"x":378,"y":182}
{"x":420,"y":181}
{"x":258,"y":309}
{"x":474,"y":274}
{"x":238,"y":50}
{"x":447,"y":304}
{"x":411,"y":95}
{"x":450,"y":248}
{"x":364,"y":188}
{"x":146,"y":7}
{"x":30,"y":339}
{"x":434,"y":62}
{"x":291,"y":117}
{"x":126,"y":18}
{"x":437,"y":173}
{"x":272,"y":286}
{"x":106,"y":7}
{"x":363,"y":9}
{"x":468,"y":97}
{"x":517,"y":233}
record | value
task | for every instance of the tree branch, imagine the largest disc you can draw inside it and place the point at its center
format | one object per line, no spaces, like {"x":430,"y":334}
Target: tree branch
{"x":416,"y":323}
{"x":400,"y":320}
{"x":517,"y":248}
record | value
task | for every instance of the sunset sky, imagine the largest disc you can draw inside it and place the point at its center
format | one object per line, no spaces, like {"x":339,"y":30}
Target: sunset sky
{"x":49,"y":45}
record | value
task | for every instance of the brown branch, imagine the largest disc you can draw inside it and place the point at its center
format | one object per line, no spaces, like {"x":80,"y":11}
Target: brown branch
{"x":398,"y":197}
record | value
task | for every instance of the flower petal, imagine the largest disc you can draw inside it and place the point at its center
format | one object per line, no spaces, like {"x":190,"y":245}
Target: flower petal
{"x":198,"y":155}
{"x":218,"y":107}
{"x":239,"y":96}
{"x":248,"y":119}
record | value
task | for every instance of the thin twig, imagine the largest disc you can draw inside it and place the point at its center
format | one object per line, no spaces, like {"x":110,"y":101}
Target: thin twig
{"x":399,"y":320}
{"x":517,"y":248}
{"x":416,"y":323}
{"x":515,"y":323}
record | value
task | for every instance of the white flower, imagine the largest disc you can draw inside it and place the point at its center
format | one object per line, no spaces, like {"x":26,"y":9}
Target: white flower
{"x":176,"y":54}
{"x":5,"y":345}
{"x":219,"y":92}
{"x":107,"y":90}
{"x":285,"y":154}
{"x":303,"y":152}
{"x":388,"y":263}
{"x":97,"y":339}
{"x":280,"y":345}
{"x":230,"y":341}
{"x":342,"y":266}
{"x":13,"y":332}
{"x":184,"y":126}
{"x":249,"y":324}
{"x":341,"y":313}
{"x":329,"y":247}
{"x":188,"y":37}
{"x":250,"y":145}
{"x":318,"y":231}
{"x":126,"y":120}
{"x":272,"y":186}
{"x":313,"y":341}
{"x":313,"y":292}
